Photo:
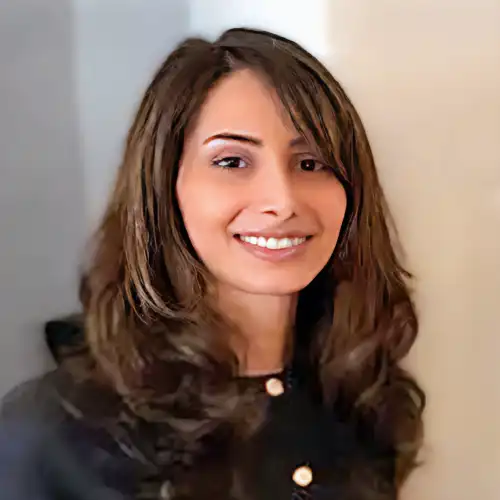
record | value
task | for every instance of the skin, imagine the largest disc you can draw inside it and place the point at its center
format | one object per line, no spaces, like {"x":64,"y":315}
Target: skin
{"x":274,"y":186}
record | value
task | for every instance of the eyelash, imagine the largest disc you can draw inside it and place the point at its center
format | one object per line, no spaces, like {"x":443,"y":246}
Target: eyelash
{"x":218,"y":163}
{"x":321,"y":166}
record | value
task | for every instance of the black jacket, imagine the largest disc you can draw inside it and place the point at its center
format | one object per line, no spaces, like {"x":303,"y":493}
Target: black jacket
{"x":52,"y":447}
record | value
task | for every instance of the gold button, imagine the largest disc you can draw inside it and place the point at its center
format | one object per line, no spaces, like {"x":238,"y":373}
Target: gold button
{"x":166,"y":491}
{"x":274,"y":387}
{"x":303,"y":476}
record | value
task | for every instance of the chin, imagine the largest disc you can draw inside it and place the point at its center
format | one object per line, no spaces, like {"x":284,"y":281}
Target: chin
{"x":268,"y":286}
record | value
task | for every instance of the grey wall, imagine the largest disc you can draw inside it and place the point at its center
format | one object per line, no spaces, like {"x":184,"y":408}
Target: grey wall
{"x":119,"y":43}
{"x":41,"y":179}
{"x":71,"y":72}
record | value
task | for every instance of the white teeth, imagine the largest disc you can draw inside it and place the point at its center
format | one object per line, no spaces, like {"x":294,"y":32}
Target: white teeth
{"x":272,"y":243}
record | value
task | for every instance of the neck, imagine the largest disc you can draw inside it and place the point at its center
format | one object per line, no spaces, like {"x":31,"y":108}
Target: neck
{"x":264,"y":326}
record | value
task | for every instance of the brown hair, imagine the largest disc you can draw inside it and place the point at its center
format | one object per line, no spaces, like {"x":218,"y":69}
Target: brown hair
{"x":148,"y":321}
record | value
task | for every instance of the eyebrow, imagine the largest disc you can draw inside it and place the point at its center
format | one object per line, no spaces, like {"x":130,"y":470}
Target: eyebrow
{"x":298,"y":141}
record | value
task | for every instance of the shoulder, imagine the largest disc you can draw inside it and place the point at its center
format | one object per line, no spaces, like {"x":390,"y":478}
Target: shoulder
{"x":31,"y":400}
{"x":49,"y":449}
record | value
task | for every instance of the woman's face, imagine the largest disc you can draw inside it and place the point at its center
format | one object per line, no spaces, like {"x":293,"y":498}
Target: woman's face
{"x":261,"y":212}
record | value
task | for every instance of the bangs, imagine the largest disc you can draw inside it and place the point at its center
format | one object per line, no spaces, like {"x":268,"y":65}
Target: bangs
{"x":313,"y":113}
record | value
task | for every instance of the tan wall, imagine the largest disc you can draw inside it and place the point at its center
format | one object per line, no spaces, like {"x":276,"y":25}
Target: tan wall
{"x":426,"y":78}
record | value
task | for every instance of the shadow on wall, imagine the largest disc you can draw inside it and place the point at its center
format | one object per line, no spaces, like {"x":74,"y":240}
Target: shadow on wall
{"x":42,"y":180}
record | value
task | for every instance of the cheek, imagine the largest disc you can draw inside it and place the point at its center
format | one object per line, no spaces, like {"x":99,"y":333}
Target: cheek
{"x":206,"y":211}
{"x":331,"y":205}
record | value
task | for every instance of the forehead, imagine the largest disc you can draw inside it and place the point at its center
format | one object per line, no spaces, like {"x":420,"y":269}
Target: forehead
{"x":243,"y":102}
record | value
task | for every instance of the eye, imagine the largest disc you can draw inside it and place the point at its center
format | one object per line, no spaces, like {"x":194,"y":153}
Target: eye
{"x":230,"y":162}
{"x":310,"y":165}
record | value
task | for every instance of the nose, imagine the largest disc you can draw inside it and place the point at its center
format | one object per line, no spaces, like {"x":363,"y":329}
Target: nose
{"x":276,"y":192}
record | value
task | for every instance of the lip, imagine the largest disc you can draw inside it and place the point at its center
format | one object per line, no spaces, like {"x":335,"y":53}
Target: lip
{"x":277,"y":255}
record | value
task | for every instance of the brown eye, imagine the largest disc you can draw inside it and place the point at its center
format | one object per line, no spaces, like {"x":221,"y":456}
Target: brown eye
{"x":309,"y":165}
{"x":230,"y":162}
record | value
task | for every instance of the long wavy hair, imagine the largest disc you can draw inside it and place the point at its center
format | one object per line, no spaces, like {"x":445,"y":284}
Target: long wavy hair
{"x":149,"y":322}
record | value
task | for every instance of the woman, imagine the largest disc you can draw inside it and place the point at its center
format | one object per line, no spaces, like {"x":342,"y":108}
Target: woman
{"x":245,"y":311}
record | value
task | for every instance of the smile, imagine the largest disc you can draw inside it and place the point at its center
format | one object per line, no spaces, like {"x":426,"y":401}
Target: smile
{"x":272,"y":243}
